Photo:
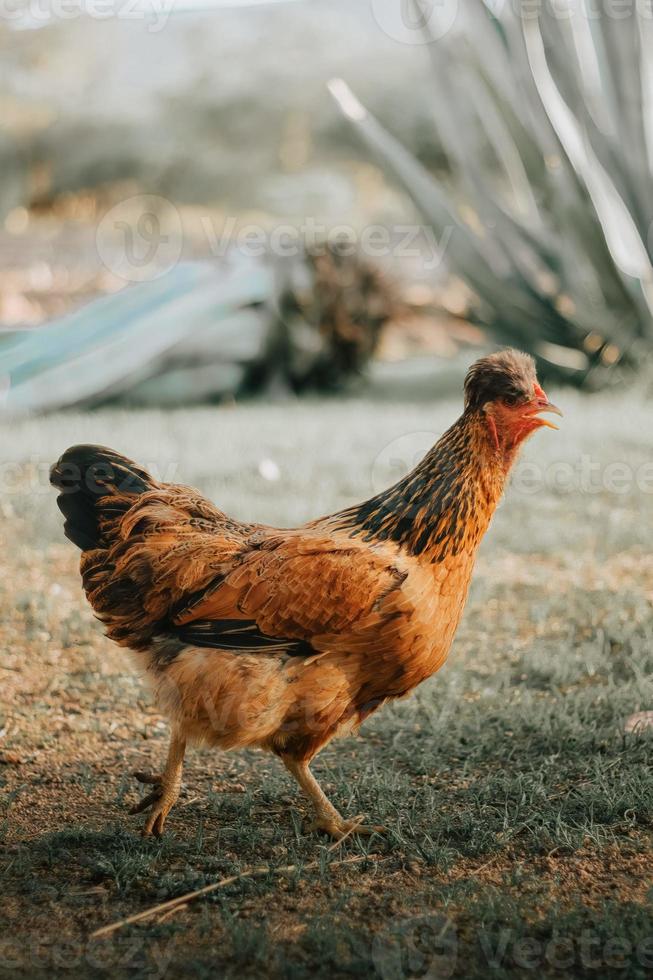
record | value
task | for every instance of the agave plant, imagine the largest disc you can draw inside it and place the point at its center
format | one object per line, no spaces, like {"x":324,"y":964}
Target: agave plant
{"x":546,"y":117}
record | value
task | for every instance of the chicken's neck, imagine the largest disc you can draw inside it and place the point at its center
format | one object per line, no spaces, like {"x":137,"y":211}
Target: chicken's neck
{"x":445,"y":504}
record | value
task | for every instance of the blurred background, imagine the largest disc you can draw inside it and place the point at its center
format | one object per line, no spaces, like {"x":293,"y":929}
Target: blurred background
{"x":289,"y":196}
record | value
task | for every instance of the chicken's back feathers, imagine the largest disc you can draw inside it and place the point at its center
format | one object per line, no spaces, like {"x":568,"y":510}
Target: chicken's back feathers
{"x":160,"y":559}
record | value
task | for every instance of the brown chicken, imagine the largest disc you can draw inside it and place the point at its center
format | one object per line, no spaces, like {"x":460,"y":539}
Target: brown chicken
{"x":281,"y":639}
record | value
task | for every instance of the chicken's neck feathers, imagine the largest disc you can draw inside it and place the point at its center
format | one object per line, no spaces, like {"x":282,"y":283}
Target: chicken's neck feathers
{"x":444,"y":505}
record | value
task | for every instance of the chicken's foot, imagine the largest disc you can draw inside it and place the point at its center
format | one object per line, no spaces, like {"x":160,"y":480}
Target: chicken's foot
{"x":166,"y":788}
{"x":327,"y":817}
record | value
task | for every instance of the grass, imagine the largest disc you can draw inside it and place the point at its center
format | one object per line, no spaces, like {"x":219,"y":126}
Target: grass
{"x":518,"y":809}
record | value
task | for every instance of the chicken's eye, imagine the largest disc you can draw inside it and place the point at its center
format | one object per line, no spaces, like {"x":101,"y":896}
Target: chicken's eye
{"x":512,"y":398}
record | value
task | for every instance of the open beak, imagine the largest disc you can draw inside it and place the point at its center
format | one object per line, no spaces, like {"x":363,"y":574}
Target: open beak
{"x":542,"y":404}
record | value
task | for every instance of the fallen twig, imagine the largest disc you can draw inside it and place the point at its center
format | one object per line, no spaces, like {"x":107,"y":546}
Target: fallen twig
{"x":190,"y":896}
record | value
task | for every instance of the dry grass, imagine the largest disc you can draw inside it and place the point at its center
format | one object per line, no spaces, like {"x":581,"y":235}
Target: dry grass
{"x":518,"y":811}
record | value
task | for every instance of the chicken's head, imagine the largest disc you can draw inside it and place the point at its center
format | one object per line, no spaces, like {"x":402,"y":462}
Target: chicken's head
{"x":503,"y":387}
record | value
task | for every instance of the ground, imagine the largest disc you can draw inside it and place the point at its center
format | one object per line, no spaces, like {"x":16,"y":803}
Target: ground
{"x":517,"y":805}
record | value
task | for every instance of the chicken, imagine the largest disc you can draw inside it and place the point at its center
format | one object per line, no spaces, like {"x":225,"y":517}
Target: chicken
{"x":282,"y":639}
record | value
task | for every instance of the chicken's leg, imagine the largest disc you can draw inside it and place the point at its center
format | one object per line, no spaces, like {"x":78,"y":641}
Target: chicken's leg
{"x":166,"y":788}
{"x":327,"y":817}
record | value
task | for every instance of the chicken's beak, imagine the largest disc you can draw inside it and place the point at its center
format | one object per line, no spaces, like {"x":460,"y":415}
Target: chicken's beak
{"x":542,"y":404}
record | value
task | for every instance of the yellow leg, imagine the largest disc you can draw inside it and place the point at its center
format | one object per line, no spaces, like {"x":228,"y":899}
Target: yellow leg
{"x":166,"y":788}
{"x":327,"y":817}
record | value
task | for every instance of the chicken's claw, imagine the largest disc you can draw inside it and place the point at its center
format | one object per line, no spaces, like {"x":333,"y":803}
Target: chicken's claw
{"x":147,"y":801}
{"x":160,"y":801}
{"x":339,"y":829}
{"x":151,"y":778}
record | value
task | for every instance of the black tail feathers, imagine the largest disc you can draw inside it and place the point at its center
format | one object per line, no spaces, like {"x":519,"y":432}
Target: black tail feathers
{"x":86,"y":475}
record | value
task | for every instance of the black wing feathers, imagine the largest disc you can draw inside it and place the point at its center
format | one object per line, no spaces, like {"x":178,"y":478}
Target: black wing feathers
{"x":237,"y":635}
